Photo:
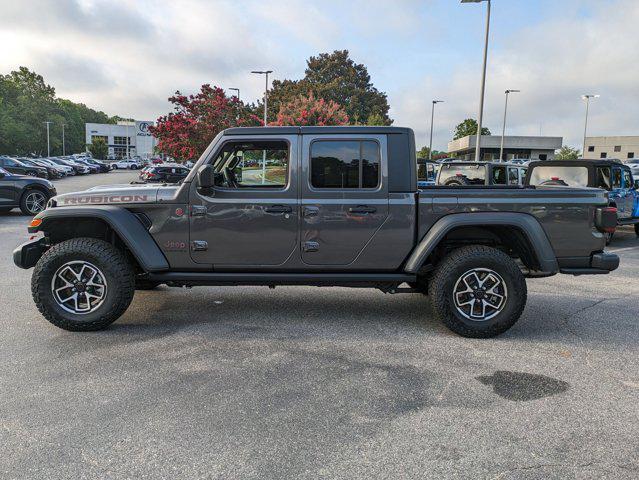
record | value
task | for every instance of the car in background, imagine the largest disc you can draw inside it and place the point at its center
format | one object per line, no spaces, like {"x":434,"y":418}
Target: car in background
{"x":607,"y":174}
{"x":166,"y":173}
{"x":30,"y":194}
{"x":102,"y":167}
{"x":68,"y":171}
{"x":92,"y":168}
{"x":427,"y":171}
{"x":52,"y":173}
{"x":127,"y":164}
{"x":77,"y":168}
{"x":13,"y":165}
{"x":469,"y":173}
{"x":157,"y":161}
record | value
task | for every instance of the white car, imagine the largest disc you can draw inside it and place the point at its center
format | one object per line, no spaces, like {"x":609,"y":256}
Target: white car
{"x":129,"y":164}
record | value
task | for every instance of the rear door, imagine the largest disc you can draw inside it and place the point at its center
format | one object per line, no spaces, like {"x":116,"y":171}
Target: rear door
{"x":344,"y":196}
{"x":7,"y":189}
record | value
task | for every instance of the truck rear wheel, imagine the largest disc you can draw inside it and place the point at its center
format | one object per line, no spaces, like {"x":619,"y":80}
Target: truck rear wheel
{"x":83,"y":284}
{"x":478,"y":291}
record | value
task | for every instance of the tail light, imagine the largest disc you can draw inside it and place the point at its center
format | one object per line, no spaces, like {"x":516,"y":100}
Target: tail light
{"x":606,"y":219}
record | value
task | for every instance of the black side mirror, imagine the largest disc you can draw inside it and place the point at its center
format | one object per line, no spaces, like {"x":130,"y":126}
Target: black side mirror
{"x":205,"y":177}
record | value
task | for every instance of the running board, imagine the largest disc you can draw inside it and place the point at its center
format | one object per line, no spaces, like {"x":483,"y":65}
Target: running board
{"x":272,"y":279}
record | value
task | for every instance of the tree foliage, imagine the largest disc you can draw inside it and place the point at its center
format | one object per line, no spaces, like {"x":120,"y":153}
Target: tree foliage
{"x":99,"y":148}
{"x":567,"y":153}
{"x":26,"y":102}
{"x":423,"y":153}
{"x":334,"y":77}
{"x":309,"y":110}
{"x":186,"y":132}
{"x":468,"y":127}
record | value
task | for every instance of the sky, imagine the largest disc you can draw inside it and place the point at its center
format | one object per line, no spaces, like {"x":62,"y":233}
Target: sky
{"x":127,"y":57}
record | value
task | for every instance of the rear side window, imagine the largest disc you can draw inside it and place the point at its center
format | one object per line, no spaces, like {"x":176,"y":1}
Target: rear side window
{"x":345,"y":164}
{"x":616,"y":178}
{"x":603,"y":178}
{"x":473,"y":174}
{"x":558,"y":175}
{"x":499,"y":175}
{"x":627,"y":179}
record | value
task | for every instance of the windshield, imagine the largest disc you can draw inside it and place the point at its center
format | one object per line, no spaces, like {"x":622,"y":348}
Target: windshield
{"x":471,"y":174}
{"x":560,"y":175}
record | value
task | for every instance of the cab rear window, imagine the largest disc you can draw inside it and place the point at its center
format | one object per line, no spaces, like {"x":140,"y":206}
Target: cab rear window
{"x":473,"y":174}
{"x":557,"y":175}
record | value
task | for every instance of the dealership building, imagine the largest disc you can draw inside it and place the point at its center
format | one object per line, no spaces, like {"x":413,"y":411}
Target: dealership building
{"x":515,"y":147}
{"x":125,"y":139}
{"x":621,"y":147}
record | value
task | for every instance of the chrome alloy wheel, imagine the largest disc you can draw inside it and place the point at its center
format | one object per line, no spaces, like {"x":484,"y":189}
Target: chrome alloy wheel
{"x":35,"y":201}
{"x":480,"y":294}
{"x":79,"y":287}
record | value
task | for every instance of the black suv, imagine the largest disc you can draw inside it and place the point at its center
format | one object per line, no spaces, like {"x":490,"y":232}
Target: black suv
{"x":29,"y":194}
{"x":16,"y":166}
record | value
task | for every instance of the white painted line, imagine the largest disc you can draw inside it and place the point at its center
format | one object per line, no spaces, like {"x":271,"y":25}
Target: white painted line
{"x":623,"y":249}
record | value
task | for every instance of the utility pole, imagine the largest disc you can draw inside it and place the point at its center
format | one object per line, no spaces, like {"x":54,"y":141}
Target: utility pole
{"x":503,"y":128}
{"x":63,"y":150}
{"x":483,"y":78}
{"x":587,"y":99}
{"x":48,"y":143}
{"x":265,"y":73}
{"x":237,"y":90}
{"x":432,"y":119}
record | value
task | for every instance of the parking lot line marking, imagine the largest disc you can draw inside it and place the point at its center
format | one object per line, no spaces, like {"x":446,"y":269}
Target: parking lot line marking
{"x":626,"y":249}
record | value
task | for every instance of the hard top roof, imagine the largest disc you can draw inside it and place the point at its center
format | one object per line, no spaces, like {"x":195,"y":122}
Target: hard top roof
{"x":315,"y":130}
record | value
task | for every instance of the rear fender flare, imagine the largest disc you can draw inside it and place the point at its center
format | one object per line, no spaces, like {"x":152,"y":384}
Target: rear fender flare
{"x":528,"y":224}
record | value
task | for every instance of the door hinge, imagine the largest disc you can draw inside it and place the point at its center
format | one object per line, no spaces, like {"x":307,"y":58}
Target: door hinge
{"x":199,"y":245}
{"x":311,"y":246}
{"x":198,"y":210}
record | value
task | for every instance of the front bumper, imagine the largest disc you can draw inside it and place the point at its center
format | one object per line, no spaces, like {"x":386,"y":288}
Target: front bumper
{"x":598,"y":264}
{"x":27,"y":255}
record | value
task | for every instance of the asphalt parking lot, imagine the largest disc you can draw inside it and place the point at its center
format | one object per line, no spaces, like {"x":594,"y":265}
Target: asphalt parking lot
{"x":313,"y":383}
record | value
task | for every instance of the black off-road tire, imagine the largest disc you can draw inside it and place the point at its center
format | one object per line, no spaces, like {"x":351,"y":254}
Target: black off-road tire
{"x":117,"y":271}
{"x":144,"y":284}
{"x":453,"y":267}
{"x":457,"y":182}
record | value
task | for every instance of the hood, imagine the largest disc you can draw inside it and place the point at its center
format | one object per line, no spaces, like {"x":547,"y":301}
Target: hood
{"x":110,"y":195}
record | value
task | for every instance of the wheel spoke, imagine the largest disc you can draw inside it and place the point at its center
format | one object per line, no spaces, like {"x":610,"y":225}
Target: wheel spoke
{"x":79,"y":287}
{"x":479,"y":294}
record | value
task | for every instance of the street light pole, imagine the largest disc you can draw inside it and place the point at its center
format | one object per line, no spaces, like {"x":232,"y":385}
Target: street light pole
{"x":63,"y":151}
{"x":432,"y":119}
{"x":503,"y":128}
{"x":237,"y":116}
{"x":48,"y":143}
{"x":265,"y":73}
{"x":483,"y":78}
{"x":587,"y":99}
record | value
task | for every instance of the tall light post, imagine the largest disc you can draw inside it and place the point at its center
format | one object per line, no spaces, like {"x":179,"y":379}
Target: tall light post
{"x":48,"y":143}
{"x":265,"y":73}
{"x":587,"y":99}
{"x":237,"y":94}
{"x":432,"y":119}
{"x":483,"y":78}
{"x":503,"y":127}
{"x":63,"y":150}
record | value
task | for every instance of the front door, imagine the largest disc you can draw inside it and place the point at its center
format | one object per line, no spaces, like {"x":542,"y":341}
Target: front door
{"x":7,"y":189}
{"x":250,"y":217}
{"x":344,"y":196}
{"x":618,"y":193}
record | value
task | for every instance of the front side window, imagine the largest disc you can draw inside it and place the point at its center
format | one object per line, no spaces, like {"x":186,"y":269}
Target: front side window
{"x":345,"y":164}
{"x":616,"y":178}
{"x":252,"y":165}
{"x":627,"y":179}
{"x":558,"y":175}
{"x":603,"y":178}
{"x":499,"y":175}
{"x":513,"y":176}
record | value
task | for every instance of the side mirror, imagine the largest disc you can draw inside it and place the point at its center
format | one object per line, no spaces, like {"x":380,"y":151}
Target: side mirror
{"x":205,"y":178}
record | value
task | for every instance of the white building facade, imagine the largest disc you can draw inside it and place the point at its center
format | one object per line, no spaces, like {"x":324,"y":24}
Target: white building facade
{"x":623,"y":148}
{"x":515,"y":147}
{"x":125,"y":139}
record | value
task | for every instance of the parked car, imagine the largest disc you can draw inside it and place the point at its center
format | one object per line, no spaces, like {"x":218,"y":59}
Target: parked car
{"x":332,"y":213}
{"x":25,"y":192}
{"x":52,"y":173}
{"x":164,"y":173}
{"x":102,"y":167}
{"x":64,"y":168}
{"x":456,"y":174}
{"x":129,"y":164}
{"x":16,"y":166}
{"x":610,"y":175}
{"x":427,"y":171}
{"x":77,"y":168}
{"x":92,"y":168}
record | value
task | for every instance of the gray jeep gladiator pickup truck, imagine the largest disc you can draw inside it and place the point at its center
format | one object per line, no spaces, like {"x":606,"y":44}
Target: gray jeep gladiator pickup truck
{"x":325,"y":206}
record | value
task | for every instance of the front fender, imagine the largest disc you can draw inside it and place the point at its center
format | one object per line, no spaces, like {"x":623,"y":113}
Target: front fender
{"x":124,"y":223}
{"x":524,"y":222}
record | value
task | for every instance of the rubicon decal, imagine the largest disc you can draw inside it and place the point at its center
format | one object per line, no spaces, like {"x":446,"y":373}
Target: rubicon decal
{"x":104,"y":199}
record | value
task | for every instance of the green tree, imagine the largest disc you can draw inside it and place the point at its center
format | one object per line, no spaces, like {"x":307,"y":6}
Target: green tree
{"x":468,"y":127}
{"x":423,"y":153}
{"x":334,"y":77}
{"x":99,"y":148}
{"x":567,"y":153}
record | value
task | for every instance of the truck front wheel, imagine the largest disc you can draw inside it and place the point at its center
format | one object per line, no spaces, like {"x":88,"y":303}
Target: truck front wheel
{"x":82,"y":284}
{"x":478,"y":291}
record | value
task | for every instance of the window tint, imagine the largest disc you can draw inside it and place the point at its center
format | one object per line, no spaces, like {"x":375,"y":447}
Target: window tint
{"x":603,"y":178}
{"x":252,"y":165}
{"x":344,"y":164}
{"x":513,"y":176}
{"x":499,"y":175}
{"x":627,"y":180}
{"x":566,"y":176}
{"x":616,"y":178}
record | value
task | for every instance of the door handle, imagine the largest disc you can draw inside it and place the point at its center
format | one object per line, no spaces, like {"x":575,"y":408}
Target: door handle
{"x":311,"y":211}
{"x":279,"y":209}
{"x":362,"y":209}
